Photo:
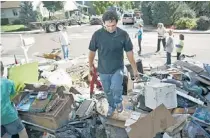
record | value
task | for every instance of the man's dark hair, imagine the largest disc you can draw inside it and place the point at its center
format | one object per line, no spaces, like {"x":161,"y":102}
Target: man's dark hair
{"x":110,"y":16}
{"x":181,"y":36}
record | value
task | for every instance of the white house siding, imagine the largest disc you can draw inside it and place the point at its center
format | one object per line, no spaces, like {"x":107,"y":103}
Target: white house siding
{"x":11,"y":14}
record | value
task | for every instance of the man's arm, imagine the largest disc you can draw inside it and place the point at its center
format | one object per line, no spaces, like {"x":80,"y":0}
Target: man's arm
{"x":91,"y":58}
{"x":128,"y":47}
{"x":92,"y":47}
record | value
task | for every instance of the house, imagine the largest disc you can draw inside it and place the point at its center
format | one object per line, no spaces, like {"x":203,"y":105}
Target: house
{"x":9,"y":11}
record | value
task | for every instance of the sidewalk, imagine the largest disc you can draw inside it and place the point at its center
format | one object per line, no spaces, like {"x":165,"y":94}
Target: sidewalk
{"x":25,"y":32}
{"x":39,"y":30}
{"x":187,"y":31}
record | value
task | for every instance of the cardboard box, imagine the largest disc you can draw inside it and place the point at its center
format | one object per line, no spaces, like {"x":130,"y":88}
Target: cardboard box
{"x":156,"y":121}
{"x":161,"y":93}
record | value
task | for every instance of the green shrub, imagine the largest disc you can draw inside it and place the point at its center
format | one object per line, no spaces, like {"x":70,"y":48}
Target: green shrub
{"x":186,"y":23}
{"x":16,"y":22}
{"x":184,"y":11}
{"x":203,"y":23}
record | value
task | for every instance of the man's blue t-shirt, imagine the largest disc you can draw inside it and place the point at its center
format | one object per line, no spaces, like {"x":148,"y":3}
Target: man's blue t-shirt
{"x":8,"y":111}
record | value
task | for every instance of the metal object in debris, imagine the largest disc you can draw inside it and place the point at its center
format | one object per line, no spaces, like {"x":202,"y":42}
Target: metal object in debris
{"x":190,"y":98}
{"x":85,"y":108}
{"x":94,"y":81}
{"x":160,"y":93}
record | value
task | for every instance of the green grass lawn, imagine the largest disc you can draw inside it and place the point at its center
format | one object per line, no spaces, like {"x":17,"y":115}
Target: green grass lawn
{"x":13,"y":28}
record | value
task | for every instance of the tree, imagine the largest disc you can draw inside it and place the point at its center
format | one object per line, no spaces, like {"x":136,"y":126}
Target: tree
{"x":53,"y":6}
{"x":136,"y":5}
{"x":163,"y":11}
{"x":125,"y":4}
{"x":202,"y":8}
{"x":26,"y":13}
{"x":146,"y":11}
{"x":101,"y":6}
{"x":183,"y":10}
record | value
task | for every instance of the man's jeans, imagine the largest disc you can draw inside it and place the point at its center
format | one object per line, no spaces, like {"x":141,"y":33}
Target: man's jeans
{"x":65,"y":51}
{"x":113,"y":87}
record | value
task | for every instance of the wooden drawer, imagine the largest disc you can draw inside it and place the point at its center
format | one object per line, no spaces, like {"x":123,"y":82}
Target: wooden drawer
{"x":52,"y":119}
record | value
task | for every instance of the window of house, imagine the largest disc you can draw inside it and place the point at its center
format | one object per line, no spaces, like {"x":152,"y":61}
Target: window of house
{"x":15,"y":13}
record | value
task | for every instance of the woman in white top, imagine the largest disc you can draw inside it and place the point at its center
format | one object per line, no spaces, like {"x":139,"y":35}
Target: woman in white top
{"x":161,"y":36}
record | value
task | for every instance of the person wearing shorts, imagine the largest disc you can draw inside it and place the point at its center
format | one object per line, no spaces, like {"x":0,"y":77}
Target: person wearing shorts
{"x":10,"y":122}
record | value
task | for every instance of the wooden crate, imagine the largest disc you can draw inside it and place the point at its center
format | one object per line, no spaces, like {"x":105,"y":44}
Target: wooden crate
{"x":52,"y":119}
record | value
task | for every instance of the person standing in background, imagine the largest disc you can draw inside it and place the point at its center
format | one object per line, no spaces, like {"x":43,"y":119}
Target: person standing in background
{"x":64,"y":41}
{"x":161,"y":36}
{"x":169,"y":46}
{"x":139,"y":34}
{"x":179,"y":46}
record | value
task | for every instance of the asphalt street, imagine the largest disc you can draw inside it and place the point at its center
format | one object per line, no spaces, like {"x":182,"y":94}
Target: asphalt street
{"x":198,"y":44}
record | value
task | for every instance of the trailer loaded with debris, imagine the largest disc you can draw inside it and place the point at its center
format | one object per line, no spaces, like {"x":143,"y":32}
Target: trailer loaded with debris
{"x":55,"y":25}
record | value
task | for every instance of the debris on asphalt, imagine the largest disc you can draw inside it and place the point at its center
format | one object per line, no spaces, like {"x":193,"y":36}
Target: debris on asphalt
{"x":169,"y":101}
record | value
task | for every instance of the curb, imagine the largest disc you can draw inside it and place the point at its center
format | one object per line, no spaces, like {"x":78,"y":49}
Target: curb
{"x":24,"y":32}
{"x":40,"y":31}
{"x":74,"y":26}
{"x":181,"y":31}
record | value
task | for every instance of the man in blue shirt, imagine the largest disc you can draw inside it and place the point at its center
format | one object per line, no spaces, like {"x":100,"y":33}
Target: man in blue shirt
{"x":140,"y":32}
{"x":111,"y":42}
{"x":10,"y":123}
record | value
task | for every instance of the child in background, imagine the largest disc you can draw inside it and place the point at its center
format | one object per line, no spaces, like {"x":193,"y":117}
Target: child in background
{"x":140,"y":32}
{"x":179,"y":46}
{"x":64,"y":41}
{"x":169,"y":47}
{"x":161,"y":30}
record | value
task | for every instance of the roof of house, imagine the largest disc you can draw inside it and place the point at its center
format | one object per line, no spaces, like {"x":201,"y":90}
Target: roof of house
{"x":10,"y":4}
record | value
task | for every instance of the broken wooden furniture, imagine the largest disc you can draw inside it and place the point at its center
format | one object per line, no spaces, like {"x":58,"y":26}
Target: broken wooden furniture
{"x":54,"y":114}
{"x":52,"y":55}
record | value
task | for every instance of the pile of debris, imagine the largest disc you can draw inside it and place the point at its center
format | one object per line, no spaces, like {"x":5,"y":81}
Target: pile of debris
{"x":169,"y":101}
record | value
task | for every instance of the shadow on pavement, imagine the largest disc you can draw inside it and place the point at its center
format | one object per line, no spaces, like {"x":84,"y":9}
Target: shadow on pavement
{"x":148,"y":55}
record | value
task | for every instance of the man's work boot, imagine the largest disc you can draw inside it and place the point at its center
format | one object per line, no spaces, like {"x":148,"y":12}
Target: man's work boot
{"x":110,"y":111}
{"x":119,"y":108}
